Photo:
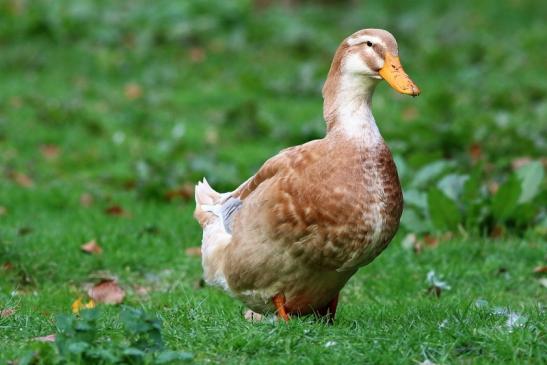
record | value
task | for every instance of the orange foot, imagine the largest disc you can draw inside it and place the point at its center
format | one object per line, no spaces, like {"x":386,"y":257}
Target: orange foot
{"x":330,"y":310}
{"x":279,"y":302}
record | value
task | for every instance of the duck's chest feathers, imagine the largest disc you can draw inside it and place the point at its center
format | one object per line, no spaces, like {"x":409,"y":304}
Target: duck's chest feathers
{"x":377,"y":207}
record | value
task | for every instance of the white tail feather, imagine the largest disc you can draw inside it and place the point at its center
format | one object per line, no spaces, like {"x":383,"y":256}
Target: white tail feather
{"x":205,"y":195}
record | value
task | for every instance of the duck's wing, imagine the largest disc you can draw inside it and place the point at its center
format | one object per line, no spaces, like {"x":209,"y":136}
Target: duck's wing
{"x":277,"y":165}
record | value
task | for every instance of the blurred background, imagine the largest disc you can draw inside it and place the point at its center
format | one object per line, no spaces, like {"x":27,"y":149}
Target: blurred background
{"x":140,"y":99}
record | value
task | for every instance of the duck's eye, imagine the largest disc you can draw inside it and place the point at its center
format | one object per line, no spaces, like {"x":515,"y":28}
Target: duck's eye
{"x":369,"y":43}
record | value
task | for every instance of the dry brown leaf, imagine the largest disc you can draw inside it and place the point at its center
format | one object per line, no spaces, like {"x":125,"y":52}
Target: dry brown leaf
{"x":116,"y":210}
{"x":6,"y":266}
{"x":22,"y":180}
{"x":3,"y":210}
{"x":497,"y":232}
{"x":475,"y":152}
{"x":92,"y":247}
{"x":132,"y":91}
{"x":4,"y":313}
{"x":197,"y":54}
{"x":48,"y":338}
{"x":49,"y":151}
{"x":193,"y":251}
{"x":542,"y":269}
{"x":86,"y":199}
{"x":185,"y":192}
{"x":431,"y":240}
{"x":107,"y":291}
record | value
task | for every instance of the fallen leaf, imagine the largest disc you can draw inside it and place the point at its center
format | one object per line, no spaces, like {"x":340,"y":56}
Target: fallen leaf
{"x":197,"y":54}
{"x":4,"y":313}
{"x":3,"y":210}
{"x":540,"y":269}
{"x":86,"y":199}
{"x":475,"y":152}
{"x":116,"y":210}
{"x":132,"y":91}
{"x":49,"y":151}
{"x":186,"y":192}
{"x":253,"y":316}
{"x":6,"y":266}
{"x":107,"y":291}
{"x":193,"y":251}
{"x":431,"y":240}
{"x":78,"y":305}
{"x":22,"y":180}
{"x":497,"y":232}
{"x":48,"y":338}
{"x":92,"y":247}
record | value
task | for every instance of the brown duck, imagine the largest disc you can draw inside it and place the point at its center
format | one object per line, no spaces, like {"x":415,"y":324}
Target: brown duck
{"x":290,"y":237}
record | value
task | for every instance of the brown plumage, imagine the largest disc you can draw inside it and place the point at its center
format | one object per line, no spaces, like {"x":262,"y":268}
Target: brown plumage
{"x":290,"y":237}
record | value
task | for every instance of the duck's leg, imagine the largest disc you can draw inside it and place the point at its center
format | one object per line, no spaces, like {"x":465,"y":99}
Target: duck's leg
{"x":330,"y":310}
{"x":279,"y":302}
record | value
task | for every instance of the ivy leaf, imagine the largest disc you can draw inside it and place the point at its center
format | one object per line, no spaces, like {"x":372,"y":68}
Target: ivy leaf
{"x":531,"y":176}
{"x":443,"y":212}
{"x":506,"y":199}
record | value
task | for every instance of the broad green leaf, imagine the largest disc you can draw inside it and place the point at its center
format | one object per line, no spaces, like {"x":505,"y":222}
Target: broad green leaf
{"x":452,"y":185}
{"x":413,"y":222}
{"x":531,"y":176}
{"x":415,"y":198}
{"x":506,"y":199}
{"x":444,"y":213}
{"x":429,"y":172}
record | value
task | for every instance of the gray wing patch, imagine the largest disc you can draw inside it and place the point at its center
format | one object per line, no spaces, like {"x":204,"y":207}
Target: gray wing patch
{"x":228,"y":209}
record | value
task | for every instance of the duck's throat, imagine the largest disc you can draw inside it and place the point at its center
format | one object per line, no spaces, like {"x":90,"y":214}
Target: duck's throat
{"x":347,"y":109}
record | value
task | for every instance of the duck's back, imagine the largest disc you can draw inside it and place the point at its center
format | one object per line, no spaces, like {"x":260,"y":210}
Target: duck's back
{"x":331,"y":208}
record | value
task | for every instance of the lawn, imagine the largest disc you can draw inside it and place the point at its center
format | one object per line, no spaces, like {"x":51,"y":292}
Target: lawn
{"x":110,"y":112}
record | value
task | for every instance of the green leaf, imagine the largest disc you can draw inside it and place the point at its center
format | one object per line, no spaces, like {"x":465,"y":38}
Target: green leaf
{"x":531,"y":176}
{"x":506,"y":199}
{"x":413,"y":222}
{"x":452,"y":185}
{"x":443,"y":212}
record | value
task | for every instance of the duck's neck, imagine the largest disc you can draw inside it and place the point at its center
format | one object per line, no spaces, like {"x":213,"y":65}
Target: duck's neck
{"x":347,"y":108}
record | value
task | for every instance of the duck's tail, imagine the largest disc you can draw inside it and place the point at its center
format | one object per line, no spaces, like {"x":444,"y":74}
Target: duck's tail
{"x":206,"y":203}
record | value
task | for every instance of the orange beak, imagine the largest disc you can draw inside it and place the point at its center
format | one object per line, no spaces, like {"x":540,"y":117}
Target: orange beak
{"x":396,"y":77}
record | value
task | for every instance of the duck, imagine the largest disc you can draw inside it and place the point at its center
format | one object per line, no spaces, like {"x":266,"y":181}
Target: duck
{"x":288,"y":239}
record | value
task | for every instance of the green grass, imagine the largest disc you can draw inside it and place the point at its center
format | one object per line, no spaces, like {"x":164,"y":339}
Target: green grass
{"x":65,"y":73}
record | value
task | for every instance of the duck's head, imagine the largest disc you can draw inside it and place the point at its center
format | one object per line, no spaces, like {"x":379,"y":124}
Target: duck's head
{"x":373,"y":54}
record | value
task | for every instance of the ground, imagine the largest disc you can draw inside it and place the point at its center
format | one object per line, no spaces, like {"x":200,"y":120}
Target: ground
{"x":108,"y":115}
